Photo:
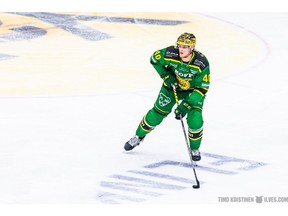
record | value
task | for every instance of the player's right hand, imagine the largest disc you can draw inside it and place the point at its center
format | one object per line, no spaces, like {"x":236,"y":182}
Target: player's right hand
{"x":182,"y":109}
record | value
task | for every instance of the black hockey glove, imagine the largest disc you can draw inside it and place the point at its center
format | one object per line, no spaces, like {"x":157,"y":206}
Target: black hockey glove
{"x":182,"y":110}
{"x":169,"y":80}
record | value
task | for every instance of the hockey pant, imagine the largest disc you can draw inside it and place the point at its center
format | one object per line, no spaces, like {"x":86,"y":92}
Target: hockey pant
{"x":161,"y":109}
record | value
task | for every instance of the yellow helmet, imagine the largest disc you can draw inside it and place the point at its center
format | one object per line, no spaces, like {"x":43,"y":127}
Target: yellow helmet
{"x":187,"y":39}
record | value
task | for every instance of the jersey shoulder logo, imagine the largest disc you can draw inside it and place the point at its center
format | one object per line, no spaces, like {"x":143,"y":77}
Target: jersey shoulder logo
{"x":172,"y":53}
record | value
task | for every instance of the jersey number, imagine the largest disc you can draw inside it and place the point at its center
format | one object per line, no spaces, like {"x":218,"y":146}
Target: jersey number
{"x":157,"y":55}
{"x":206,"y":78}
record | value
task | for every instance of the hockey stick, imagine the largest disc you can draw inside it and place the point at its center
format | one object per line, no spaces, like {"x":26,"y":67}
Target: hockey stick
{"x":186,"y":139}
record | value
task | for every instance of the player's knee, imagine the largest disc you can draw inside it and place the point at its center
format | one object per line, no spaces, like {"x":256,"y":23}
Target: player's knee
{"x":159,"y":113}
{"x":195,"y":119}
{"x":154,"y":117}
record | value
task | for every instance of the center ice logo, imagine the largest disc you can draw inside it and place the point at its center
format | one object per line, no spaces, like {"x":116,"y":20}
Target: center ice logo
{"x":164,"y":100}
{"x":150,"y":181}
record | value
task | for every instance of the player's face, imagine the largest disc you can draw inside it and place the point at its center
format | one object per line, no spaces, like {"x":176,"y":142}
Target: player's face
{"x":184,"y":50}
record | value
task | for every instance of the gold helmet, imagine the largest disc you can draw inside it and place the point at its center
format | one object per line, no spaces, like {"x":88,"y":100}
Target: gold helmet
{"x":186,"y":39}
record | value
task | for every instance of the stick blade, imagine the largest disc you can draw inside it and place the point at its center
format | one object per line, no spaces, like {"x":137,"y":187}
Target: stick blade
{"x":197,"y":186}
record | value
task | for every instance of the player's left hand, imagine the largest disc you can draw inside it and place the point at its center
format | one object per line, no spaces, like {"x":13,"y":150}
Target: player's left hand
{"x":169,"y":80}
{"x":182,"y":110}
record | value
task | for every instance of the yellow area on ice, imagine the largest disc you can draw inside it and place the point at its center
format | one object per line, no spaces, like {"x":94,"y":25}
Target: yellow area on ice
{"x":63,"y":64}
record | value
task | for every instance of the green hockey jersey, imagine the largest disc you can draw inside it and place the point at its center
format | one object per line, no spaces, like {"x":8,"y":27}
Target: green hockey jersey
{"x":192,"y":76}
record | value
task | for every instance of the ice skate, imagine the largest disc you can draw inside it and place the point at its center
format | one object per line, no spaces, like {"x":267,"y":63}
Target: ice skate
{"x":133,"y":142}
{"x":196,"y":156}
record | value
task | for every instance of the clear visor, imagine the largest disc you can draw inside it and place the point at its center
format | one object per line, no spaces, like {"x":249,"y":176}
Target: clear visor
{"x":182,"y":46}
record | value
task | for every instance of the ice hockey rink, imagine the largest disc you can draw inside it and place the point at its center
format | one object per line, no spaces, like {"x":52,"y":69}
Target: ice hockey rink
{"x":74,"y":87}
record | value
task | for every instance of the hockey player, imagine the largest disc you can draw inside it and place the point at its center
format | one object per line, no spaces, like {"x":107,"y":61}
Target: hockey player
{"x":188,"y":69}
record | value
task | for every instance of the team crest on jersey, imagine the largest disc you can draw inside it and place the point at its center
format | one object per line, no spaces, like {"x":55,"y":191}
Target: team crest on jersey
{"x":183,"y":83}
{"x":164,"y":100}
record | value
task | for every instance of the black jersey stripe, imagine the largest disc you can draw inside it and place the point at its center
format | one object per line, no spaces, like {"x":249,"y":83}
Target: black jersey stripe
{"x":202,"y":91}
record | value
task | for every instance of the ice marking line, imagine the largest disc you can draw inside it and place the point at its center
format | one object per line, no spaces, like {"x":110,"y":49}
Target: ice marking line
{"x":106,"y":198}
{"x":131,"y":20}
{"x":128,"y":187}
{"x":215,"y":170}
{"x":149,"y":183}
{"x":23,"y":33}
{"x":225,"y":160}
{"x":188,"y":165}
{"x":69,"y":23}
{"x":4,"y":56}
{"x":241,"y":164}
{"x":168,"y":162}
{"x":163,"y":176}
{"x":155,"y":186}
